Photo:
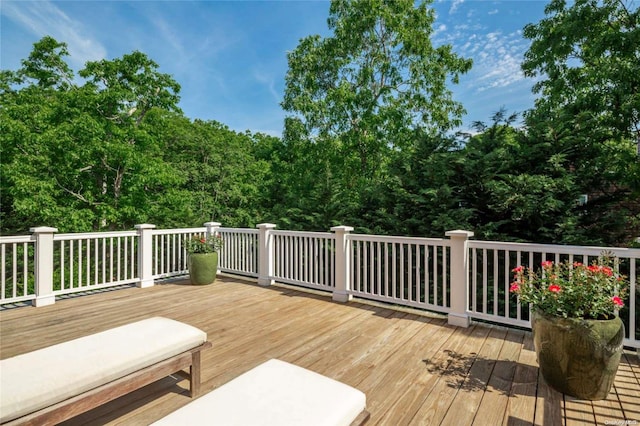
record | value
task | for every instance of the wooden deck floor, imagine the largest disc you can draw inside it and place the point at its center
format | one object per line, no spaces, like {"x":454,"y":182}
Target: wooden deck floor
{"x":414,"y":369}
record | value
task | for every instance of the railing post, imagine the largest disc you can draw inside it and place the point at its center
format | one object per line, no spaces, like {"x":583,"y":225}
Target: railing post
{"x":265,"y":254}
{"x":44,"y":265}
{"x":459,"y":278}
{"x":145,"y":255}
{"x":342,"y":264}
{"x":212,"y":228}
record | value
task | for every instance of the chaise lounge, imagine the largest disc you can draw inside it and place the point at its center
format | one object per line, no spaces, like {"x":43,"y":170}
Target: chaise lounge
{"x":275,"y":393}
{"x":50,"y":385}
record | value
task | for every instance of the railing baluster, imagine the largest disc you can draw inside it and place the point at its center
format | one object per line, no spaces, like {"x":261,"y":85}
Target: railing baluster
{"x":62,"y":266}
{"x":3,"y":283}
{"x":25,"y":269}
{"x":445,"y":284}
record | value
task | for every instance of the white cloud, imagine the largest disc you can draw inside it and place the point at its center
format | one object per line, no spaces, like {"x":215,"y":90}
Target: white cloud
{"x":454,"y":6}
{"x":44,"y":18}
{"x":492,"y":12}
{"x":268,"y":80}
{"x":441,"y":29}
{"x":170,"y":35}
{"x":498,"y":62}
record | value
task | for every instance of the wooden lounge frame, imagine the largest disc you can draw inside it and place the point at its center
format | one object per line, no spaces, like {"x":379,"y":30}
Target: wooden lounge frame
{"x":96,"y":397}
{"x":362,"y":418}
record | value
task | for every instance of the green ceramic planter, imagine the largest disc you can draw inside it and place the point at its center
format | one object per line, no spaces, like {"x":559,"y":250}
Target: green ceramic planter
{"x":203,"y":268}
{"x":578,"y":357}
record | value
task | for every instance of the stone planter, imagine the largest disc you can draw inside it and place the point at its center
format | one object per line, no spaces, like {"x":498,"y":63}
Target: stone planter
{"x":203,"y":268}
{"x":578,"y":357}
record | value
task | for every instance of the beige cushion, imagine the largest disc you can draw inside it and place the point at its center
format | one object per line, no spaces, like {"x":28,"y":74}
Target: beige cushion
{"x":44,"y":377}
{"x":273,"y":393}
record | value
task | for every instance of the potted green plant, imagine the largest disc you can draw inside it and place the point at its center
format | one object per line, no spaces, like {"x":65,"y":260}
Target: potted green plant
{"x":574,"y":317}
{"x":203,"y":258}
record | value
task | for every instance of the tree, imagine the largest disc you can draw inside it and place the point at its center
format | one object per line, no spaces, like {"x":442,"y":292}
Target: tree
{"x":362,"y":93}
{"x":220,"y":174}
{"x":427,"y":199}
{"x":587,"y":59}
{"x":78,"y":156}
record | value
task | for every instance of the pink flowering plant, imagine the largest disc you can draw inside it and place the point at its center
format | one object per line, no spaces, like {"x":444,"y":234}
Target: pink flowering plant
{"x":572,"y":290}
{"x":203,"y":244}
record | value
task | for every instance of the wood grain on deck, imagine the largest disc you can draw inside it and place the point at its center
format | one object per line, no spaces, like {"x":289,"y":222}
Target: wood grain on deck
{"x":415,"y":369}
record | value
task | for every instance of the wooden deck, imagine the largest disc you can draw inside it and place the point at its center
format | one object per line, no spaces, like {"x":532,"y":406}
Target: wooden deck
{"x":414,"y":369}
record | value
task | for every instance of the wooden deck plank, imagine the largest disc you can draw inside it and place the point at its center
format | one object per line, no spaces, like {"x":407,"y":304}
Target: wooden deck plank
{"x":521,"y":408}
{"x":436,"y":360}
{"x":400,"y":364}
{"x":414,"y":369}
{"x":578,"y":412}
{"x":626,"y":386}
{"x":463,"y":409}
{"x":496,"y":396}
{"x":549,"y":405}
{"x":450,"y":368}
{"x":412,"y":387}
{"x":608,"y":409}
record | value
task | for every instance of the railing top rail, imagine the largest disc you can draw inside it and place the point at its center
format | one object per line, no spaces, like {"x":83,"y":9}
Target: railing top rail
{"x":17,"y":239}
{"x":177,"y":231}
{"x":395,"y":239}
{"x":556,"y":248}
{"x":304,"y":234}
{"x":239,"y":230}
{"x":90,"y":235}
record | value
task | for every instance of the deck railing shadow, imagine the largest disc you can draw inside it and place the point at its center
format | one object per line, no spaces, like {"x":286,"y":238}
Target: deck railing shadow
{"x":472,"y":373}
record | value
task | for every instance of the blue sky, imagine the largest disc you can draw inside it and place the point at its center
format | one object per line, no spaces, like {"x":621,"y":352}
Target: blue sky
{"x":230,"y":56}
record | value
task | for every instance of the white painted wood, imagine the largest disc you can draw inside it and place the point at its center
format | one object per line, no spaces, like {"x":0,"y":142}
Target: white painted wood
{"x":43,"y":267}
{"x":342,"y":292}
{"x":145,"y":255}
{"x":427,"y":273}
{"x":459,"y":278}
{"x":265,"y":253}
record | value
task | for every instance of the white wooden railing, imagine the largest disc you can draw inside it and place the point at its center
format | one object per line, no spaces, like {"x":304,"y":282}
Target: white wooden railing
{"x":17,"y":257}
{"x":400,"y":270}
{"x":462,"y":278}
{"x":490,"y":269}
{"x":304,"y":258}
{"x":239,"y":253}
{"x":94,"y":260}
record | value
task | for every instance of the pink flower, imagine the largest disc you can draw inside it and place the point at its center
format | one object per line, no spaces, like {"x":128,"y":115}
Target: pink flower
{"x":554,"y":288}
{"x":514,"y":287}
{"x":547,"y":264}
{"x":518,"y":269}
{"x":607,"y":271}
{"x":617,"y":301}
{"x":577,"y":264}
{"x":593,"y":268}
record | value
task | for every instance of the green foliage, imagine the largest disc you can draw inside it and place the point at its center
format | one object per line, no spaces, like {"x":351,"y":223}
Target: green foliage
{"x":357,"y":98}
{"x":365,"y":143}
{"x":586,"y":57}
{"x":115,"y":151}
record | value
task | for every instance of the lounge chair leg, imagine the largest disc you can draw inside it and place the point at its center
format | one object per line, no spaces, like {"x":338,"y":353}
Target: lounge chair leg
{"x":195,"y":374}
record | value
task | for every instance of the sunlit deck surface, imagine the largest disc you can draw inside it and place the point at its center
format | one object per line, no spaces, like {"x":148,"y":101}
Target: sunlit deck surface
{"x":415,"y":369}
